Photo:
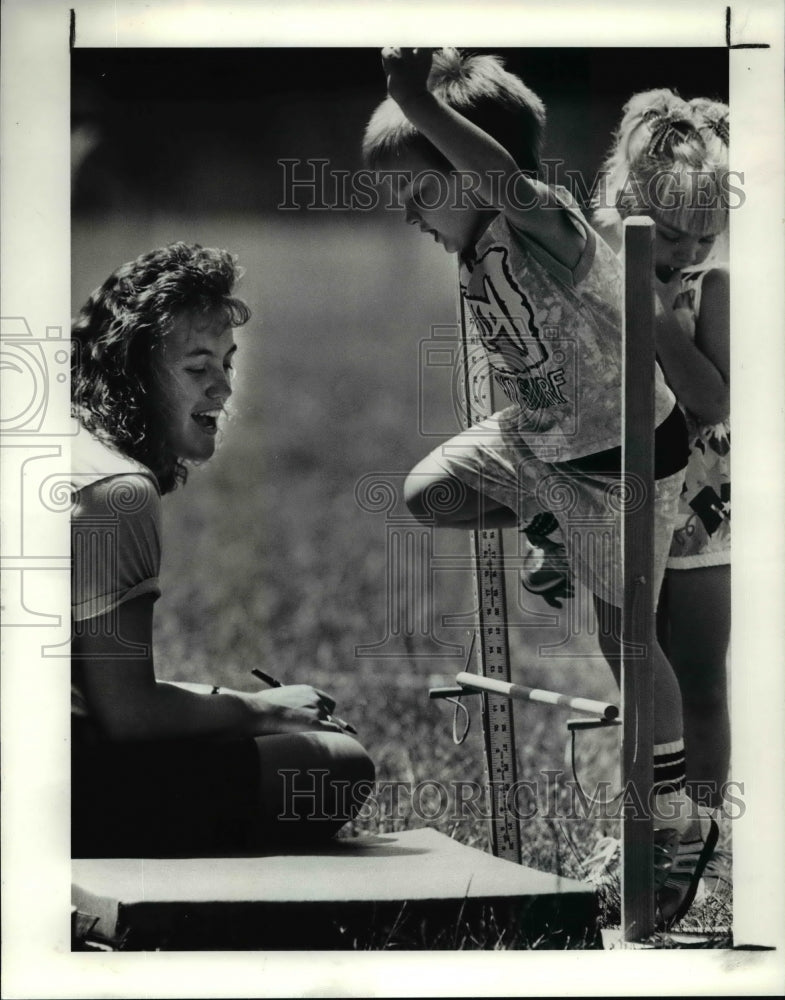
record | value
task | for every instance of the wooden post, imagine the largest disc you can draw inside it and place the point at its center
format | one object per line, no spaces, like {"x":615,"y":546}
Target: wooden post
{"x":637,"y":914}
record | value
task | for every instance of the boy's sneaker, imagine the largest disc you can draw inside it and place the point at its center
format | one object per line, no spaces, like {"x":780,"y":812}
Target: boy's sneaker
{"x":546,"y":569}
{"x":679,"y":863}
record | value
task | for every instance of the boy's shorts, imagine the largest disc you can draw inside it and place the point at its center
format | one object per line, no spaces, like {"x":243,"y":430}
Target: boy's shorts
{"x":492,"y":459}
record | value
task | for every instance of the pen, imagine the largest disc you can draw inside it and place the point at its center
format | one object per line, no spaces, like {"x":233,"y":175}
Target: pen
{"x":268,"y":680}
{"x":273,"y":683}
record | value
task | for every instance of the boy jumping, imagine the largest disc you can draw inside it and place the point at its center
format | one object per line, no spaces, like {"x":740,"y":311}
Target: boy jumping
{"x":544,"y":292}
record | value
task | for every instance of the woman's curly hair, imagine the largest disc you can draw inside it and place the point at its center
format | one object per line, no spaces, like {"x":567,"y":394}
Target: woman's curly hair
{"x":117,"y":338}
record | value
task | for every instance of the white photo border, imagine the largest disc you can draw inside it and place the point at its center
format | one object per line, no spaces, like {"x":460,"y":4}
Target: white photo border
{"x":36,"y":286}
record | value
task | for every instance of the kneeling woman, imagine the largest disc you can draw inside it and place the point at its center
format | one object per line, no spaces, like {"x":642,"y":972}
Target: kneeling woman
{"x":160,"y":767}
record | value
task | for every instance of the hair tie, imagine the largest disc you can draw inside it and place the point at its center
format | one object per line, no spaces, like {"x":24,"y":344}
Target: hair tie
{"x":719,"y":127}
{"x":653,"y":114}
{"x":666,"y":126}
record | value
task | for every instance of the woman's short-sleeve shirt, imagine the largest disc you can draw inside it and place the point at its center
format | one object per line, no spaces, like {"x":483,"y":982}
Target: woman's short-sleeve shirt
{"x":115,"y":532}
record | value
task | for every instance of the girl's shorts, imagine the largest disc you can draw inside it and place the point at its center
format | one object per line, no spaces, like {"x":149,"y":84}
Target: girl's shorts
{"x":701,"y":534}
{"x":491,"y":458}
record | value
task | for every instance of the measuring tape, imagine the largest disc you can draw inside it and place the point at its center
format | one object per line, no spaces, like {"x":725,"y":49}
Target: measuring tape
{"x":493,"y":652}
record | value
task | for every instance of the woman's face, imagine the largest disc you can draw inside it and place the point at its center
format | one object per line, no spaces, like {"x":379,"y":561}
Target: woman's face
{"x":193,"y":383}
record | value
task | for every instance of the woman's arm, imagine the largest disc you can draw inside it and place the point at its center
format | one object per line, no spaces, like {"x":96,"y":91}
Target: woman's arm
{"x":527,"y":204}
{"x":114,"y":656}
{"x":698,"y":370}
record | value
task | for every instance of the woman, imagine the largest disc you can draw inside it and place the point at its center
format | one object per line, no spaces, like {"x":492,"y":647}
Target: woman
{"x":161,"y":767}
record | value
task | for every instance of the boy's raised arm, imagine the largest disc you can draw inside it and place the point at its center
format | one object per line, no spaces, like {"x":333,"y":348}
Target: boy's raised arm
{"x":524,"y":201}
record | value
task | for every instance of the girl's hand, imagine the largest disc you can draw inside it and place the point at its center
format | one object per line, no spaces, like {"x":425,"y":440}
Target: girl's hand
{"x":668,"y":291}
{"x":673,"y":304}
{"x":294,"y":708}
{"x":407,"y":72}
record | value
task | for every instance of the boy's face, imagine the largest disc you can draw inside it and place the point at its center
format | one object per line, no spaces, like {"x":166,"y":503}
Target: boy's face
{"x":433,"y":201}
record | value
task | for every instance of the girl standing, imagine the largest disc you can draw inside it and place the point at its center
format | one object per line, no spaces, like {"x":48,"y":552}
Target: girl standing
{"x":669,"y":162}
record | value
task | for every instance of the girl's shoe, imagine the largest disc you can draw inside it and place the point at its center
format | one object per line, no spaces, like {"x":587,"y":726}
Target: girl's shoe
{"x":679,"y":863}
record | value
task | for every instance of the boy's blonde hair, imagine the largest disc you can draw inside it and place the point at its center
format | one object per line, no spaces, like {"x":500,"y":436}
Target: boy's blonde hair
{"x":669,"y":156}
{"x":484,"y":92}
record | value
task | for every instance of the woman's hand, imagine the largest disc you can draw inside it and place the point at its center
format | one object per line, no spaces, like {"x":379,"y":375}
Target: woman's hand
{"x":294,"y":708}
{"x":128,"y":703}
{"x":407,"y":72}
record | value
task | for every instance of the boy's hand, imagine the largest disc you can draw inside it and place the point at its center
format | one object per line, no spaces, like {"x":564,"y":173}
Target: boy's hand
{"x":407,"y":72}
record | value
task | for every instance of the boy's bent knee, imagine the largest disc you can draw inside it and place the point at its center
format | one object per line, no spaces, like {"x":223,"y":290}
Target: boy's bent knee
{"x":432,"y":495}
{"x":413,"y":497}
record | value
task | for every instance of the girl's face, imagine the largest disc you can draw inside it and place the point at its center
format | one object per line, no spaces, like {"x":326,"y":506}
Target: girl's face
{"x":193,"y":383}
{"x":676,"y":248}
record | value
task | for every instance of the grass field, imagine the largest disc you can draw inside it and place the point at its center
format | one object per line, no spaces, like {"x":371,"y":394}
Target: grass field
{"x":271,"y":560}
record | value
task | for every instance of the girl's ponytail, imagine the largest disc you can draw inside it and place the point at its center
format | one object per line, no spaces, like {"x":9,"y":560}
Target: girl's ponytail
{"x":661,"y":146}
{"x":712,"y":121}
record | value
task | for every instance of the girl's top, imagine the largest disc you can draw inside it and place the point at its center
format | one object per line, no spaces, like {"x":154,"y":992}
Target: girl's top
{"x":702,"y":534}
{"x":115,"y":535}
{"x":553,"y":336}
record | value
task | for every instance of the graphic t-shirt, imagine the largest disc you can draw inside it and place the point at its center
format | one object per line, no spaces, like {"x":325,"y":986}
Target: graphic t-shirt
{"x":553,"y":337}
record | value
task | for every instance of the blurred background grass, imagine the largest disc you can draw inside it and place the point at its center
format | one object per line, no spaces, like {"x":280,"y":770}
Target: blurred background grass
{"x":269,"y":559}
